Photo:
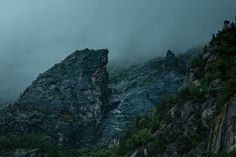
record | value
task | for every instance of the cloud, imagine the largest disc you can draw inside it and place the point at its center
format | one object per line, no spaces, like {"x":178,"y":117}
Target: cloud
{"x":36,"y":34}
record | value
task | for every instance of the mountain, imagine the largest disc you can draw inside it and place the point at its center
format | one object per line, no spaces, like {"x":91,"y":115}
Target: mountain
{"x":75,"y":103}
{"x":65,"y":103}
{"x":180,"y":105}
{"x":136,"y":89}
{"x":200,"y":119}
{"x":73,"y":97}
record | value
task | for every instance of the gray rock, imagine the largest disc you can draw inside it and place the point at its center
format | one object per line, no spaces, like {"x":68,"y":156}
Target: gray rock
{"x":75,"y":105}
{"x":170,"y":60}
{"x":135,"y":90}
{"x":222,"y":136}
{"x":206,"y":55}
{"x":26,"y":153}
{"x":67,"y":102}
{"x":138,"y":153}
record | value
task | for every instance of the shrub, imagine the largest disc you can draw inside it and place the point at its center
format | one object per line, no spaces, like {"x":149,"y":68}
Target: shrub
{"x":190,"y":92}
{"x":33,"y":141}
{"x":197,"y":62}
{"x":141,"y":137}
{"x":98,"y":151}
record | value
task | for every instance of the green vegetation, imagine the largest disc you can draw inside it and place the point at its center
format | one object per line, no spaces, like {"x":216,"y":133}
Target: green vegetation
{"x":217,"y":80}
{"x":137,"y":135}
{"x":198,"y":62}
{"x":8,"y":144}
{"x":223,"y":154}
{"x":98,"y":152}
{"x":47,"y":148}
{"x":220,"y":154}
{"x":190,"y":92}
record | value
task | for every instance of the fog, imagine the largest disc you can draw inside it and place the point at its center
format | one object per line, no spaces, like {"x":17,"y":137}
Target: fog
{"x":35,"y":34}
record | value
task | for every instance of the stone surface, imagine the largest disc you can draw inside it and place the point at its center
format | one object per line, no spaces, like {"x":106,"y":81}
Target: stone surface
{"x":223,"y":133}
{"x":135,"y":90}
{"x":26,"y":153}
{"x":75,"y":105}
{"x":71,"y":102}
{"x":170,"y":60}
{"x":139,"y":153}
{"x":67,"y":102}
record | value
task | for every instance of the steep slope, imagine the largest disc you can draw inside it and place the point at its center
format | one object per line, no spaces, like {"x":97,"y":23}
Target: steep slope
{"x":200,"y":119}
{"x":136,"y":89}
{"x":72,"y":105}
{"x":66,"y":103}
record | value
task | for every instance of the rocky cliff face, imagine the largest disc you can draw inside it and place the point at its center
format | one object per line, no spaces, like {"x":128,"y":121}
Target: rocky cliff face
{"x":222,"y":134}
{"x":66,"y":103}
{"x":200,"y":119}
{"x":74,"y":103}
{"x":137,"y":89}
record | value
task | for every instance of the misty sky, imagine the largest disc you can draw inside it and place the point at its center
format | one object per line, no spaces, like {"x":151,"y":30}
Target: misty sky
{"x":35,"y":34}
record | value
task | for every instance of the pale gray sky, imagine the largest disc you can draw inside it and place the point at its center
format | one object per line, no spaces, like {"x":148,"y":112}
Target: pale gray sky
{"x":35,"y":34}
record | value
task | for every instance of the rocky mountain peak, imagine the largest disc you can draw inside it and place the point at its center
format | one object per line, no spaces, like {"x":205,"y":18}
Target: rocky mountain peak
{"x":78,"y":72}
{"x":170,"y":59}
{"x":67,"y":102}
{"x":170,"y":53}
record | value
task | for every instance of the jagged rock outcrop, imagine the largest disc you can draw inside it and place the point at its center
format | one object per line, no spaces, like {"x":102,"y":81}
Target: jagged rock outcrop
{"x":72,"y":104}
{"x":66,"y":103}
{"x":170,"y":60}
{"x":136,"y":89}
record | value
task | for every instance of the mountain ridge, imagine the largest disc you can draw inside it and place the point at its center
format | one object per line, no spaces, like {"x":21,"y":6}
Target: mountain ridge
{"x":196,"y":119}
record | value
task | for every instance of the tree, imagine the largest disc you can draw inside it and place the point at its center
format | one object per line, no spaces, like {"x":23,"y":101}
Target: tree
{"x":226,"y":23}
{"x":141,"y":137}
